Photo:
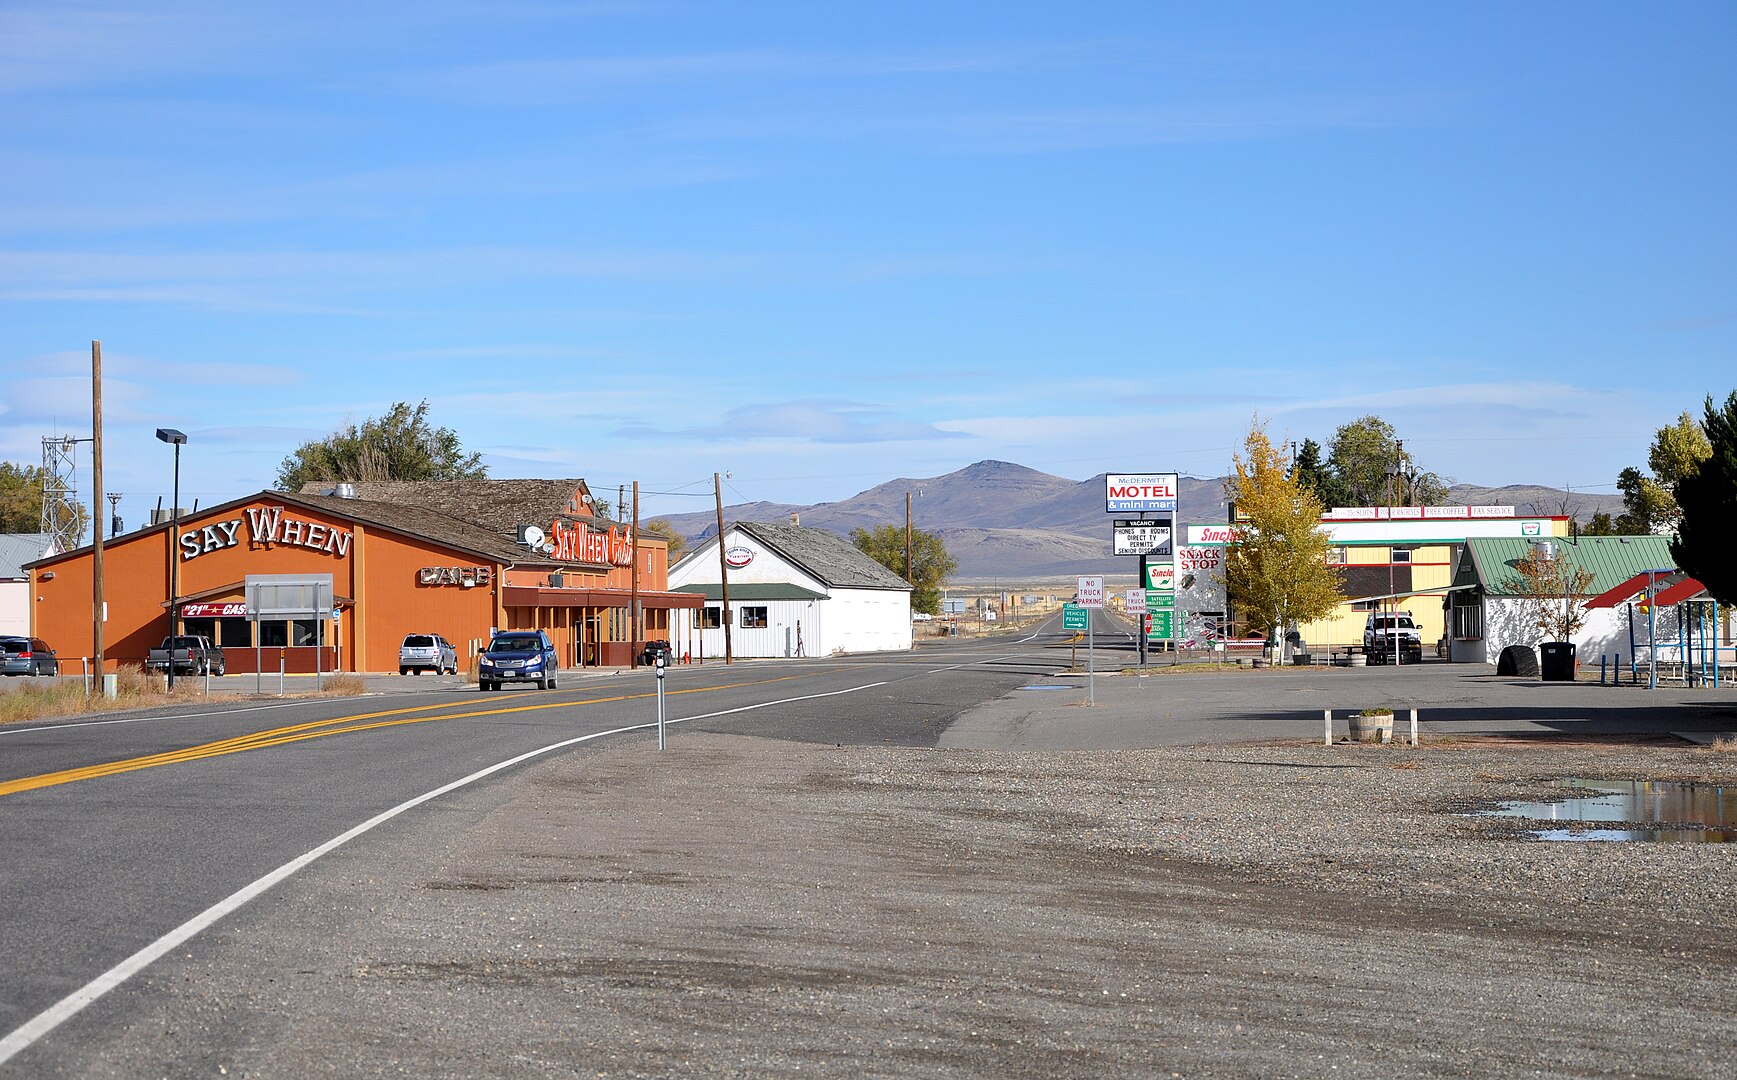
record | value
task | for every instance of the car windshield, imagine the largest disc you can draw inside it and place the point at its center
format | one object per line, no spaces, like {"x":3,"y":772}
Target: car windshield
{"x":514,"y":644}
{"x":419,"y":641}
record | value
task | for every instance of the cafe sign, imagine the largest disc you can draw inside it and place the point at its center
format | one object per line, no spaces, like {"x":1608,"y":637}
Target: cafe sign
{"x":575,"y":541}
{"x":463,"y":576}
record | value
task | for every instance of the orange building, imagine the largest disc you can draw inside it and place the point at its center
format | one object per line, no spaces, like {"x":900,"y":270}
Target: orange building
{"x":454,"y":559}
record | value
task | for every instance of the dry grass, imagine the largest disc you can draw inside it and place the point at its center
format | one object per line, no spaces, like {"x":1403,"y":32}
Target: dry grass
{"x":135,"y":689}
{"x":1725,"y":744}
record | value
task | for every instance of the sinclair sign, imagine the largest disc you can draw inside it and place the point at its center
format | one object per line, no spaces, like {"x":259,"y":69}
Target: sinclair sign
{"x":1140,"y":493}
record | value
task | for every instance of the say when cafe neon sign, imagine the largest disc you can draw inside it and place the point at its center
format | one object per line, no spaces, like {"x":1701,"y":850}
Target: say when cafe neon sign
{"x":577,"y":542}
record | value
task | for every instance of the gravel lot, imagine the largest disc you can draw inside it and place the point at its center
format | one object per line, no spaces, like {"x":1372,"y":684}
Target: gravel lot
{"x":743,"y":907}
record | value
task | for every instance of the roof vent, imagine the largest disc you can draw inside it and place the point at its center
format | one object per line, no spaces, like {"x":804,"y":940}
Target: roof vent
{"x":345,"y":491}
{"x":795,"y":519}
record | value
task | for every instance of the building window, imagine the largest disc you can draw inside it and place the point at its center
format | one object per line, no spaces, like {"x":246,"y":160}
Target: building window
{"x":1401,"y":555}
{"x":1468,"y":621}
{"x":1336,"y":556}
{"x":1365,"y":605}
{"x":753,"y":618}
{"x":711,"y":617}
{"x":297,"y":632}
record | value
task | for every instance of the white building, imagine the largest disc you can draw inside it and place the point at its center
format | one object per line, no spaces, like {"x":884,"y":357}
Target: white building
{"x":793,"y":592}
{"x":16,"y":549}
{"x":1488,"y":609}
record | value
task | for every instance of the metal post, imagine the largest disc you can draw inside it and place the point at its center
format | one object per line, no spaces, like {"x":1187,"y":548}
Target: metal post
{"x":1327,"y":727}
{"x":1414,"y":727}
{"x":661,"y":660}
{"x":1091,"y":684}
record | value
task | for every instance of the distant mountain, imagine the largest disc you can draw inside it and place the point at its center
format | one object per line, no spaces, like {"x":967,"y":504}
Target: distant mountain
{"x":1005,"y":521}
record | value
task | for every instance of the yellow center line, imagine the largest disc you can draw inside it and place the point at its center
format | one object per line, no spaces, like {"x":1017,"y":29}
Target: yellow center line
{"x":341,"y":725}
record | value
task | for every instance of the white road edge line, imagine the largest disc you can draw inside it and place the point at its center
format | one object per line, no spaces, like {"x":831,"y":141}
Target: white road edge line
{"x":70,"y":1005}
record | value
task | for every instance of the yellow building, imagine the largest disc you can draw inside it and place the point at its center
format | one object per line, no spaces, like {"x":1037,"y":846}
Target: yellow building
{"x":1397,"y":558}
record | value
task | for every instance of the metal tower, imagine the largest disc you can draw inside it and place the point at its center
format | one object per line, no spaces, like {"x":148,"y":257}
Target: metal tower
{"x":61,"y":514}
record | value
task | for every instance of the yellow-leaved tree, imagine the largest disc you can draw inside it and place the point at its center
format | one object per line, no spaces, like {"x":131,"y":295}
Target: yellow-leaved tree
{"x":1275,"y":567}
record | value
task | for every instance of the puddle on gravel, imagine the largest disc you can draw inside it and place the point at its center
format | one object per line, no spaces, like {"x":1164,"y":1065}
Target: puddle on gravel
{"x":1649,"y":811}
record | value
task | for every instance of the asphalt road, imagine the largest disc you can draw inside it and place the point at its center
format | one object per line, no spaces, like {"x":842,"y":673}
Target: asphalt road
{"x":178,"y":810}
{"x":115,"y":830}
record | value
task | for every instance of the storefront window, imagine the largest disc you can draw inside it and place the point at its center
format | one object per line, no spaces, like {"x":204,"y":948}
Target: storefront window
{"x":227,"y":633}
{"x":753,"y":618}
{"x":711,"y":617}
{"x":294,"y":633}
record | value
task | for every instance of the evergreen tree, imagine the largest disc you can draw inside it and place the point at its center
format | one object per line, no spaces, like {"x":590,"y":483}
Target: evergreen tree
{"x":1708,"y":498}
{"x":1314,"y":476}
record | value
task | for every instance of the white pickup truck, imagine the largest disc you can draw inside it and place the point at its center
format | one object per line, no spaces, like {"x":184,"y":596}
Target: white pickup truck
{"x":1390,"y":635}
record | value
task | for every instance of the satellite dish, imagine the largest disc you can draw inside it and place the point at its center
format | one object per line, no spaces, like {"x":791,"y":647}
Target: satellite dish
{"x":547,"y":549}
{"x":531,"y":535}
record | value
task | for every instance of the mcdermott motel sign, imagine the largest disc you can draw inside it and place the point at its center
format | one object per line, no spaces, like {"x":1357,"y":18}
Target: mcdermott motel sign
{"x":405,"y":558}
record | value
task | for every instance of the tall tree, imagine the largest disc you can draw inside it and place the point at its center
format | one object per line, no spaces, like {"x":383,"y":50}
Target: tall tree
{"x":1601,"y":525}
{"x":1373,"y":468}
{"x":22,"y":491}
{"x":1275,"y":570}
{"x":662,"y":527}
{"x":402,"y":445}
{"x":1315,"y":476}
{"x":1708,"y":498}
{"x":930,"y":563}
{"x":1650,"y":502}
{"x":1553,"y":591}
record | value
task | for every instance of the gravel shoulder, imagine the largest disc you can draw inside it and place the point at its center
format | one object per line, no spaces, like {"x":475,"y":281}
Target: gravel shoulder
{"x":743,"y":907}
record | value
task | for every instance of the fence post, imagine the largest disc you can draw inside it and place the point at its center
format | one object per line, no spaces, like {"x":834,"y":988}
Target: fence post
{"x":1414,"y":727}
{"x":1327,"y":725}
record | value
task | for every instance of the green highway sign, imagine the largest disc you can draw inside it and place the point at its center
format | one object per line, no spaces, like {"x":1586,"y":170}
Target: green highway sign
{"x":1074,"y":617}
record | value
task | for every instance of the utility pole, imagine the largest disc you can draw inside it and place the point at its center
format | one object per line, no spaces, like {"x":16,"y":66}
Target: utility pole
{"x":723,"y":569}
{"x":908,"y":580}
{"x":638,"y":630}
{"x":96,"y":566}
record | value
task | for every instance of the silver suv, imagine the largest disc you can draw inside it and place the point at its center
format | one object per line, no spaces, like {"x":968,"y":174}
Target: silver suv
{"x":1392,"y":635}
{"x":427,"y":652}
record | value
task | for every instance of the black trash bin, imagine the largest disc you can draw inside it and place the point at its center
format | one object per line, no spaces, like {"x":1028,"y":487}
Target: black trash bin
{"x":1556,"y":661}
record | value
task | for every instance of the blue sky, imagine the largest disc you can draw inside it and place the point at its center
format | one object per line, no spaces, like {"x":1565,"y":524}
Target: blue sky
{"x":819,"y":246}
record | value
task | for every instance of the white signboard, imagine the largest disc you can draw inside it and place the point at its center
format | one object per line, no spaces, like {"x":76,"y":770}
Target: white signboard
{"x":1091,"y":592}
{"x":1140,"y":493}
{"x":1134,"y":600}
{"x":1133,"y":538}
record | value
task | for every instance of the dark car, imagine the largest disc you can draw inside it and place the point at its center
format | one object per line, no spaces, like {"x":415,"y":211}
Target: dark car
{"x":515,"y":656}
{"x":653,"y":650}
{"x":27,"y":656}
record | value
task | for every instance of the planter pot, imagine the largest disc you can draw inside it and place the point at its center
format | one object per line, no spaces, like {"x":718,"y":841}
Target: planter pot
{"x":1377,"y":728}
{"x":1357,"y":660}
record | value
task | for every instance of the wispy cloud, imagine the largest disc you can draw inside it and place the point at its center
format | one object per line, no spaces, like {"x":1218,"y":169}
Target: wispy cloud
{"x":819,"y":421}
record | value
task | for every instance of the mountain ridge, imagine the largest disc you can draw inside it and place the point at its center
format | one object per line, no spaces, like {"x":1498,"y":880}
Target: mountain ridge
{"x":1002,"y":520}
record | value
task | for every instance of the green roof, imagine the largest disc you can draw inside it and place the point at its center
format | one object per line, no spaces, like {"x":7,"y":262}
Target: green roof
{"x":746,"y":591}
{"x":1489,"y":561}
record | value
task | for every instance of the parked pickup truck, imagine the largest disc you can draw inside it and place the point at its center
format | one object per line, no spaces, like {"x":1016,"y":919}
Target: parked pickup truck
{"x":188,"y":654}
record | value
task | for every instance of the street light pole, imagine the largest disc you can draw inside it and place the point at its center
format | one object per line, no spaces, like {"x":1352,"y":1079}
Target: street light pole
{"x":176,"y":439}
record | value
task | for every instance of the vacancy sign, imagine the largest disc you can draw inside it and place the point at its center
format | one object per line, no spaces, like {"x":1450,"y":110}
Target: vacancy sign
{"x":1091,"y":592}
{"x":1140,"y":493}
{"x":1142,"y":538}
